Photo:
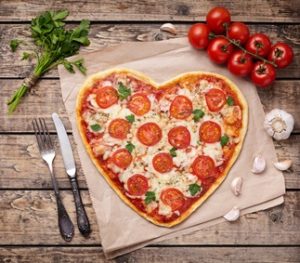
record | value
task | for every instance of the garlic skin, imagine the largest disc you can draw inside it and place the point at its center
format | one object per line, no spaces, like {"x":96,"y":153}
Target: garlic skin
{"x":259,"y":164}
{"x":279,"y":124}
{"x":283,"y":165}
{"x":168,"y":27}
{"x":233,"y":214}
{"x":236,"y":185}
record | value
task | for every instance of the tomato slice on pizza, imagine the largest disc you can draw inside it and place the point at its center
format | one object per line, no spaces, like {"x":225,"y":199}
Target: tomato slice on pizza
{"x":164,"y":149}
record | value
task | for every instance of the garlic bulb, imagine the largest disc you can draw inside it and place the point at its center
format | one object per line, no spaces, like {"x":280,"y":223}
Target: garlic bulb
{"x":233,"y":214}
{"x":236,"y":185}
{"x":283,"y":165}
{"x":279,"y":124}
{"x":259,"y":164}
{"x":168,"y":27}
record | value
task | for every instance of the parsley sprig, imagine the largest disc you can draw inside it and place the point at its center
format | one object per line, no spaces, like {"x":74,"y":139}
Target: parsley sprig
{"x":194,"y":189}
{"x":54,"y":44}
{"x":123,"y":91}
{"x":150,"y":196}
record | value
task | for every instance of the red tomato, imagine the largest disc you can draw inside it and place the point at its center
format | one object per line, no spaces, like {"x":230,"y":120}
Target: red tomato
{"x":149,"y":133}
{"x":179,"y":137}
{"x":240,"y":63}
{"x":198,"y":35}
{"x":203,"y":166}
{"x":122,"y":158}
{"x":282,"y":54}
{"x":181,"y":107}
{"x":137,"y":185}
{"x":215,"y":99}
{"x":210,"y":132}
{"x":217,"y":18}
{"x":162,"y":162}
{"x":263,"y":74}
{"x":118,"y":128}
{"x":239,"y":32}
{"x":259,"y":44}
{"x":106,"y":96}
{"x":219,"y":50}
{"x":139,"y":104}
{"x":173,"y":198}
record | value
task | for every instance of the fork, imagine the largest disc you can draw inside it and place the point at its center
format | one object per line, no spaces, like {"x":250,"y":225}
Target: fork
{"x":47,"y":152}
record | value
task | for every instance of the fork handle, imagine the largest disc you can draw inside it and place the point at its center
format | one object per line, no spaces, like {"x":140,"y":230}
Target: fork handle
{"x":82,"y":219}
{"x":66,"y":226}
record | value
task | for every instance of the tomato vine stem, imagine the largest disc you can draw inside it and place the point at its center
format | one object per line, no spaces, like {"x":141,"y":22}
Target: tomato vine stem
{"x":233,"y":42}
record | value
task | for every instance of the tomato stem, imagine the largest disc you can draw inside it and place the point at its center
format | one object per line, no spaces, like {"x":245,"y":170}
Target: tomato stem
{"x":235,"y":43}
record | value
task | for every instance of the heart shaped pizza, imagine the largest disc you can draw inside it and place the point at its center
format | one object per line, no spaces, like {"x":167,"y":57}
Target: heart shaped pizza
{"x":163,"y":148}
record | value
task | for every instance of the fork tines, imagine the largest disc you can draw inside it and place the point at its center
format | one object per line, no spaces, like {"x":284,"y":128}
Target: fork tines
{"x":42,"y":134}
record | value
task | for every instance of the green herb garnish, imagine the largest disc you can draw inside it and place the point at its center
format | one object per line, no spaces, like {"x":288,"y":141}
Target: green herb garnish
{"x":26,"y":55}
{"x":230,"y":101}
{"x":198,"y":114}
{"x":194,"y":189}
{"x":150,"y":196}
{"x":14,"y":43}
{"x":123,"y":91}
{"x":54,"y":44}
{"x":224,"y":140}
{"x":130,"y":147}
{"x":96,"y":127}
{"x":173,"y":152}
{"x":130,"y":118}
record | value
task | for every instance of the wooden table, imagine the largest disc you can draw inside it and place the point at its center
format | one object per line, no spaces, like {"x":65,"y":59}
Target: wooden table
{"x":28,"y":218}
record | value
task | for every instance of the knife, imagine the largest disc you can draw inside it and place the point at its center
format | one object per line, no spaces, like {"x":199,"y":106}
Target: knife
{"x":68,"y":158}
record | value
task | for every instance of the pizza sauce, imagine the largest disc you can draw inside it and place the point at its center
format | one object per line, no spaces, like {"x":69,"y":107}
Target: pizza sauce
{"x":163,"y":149}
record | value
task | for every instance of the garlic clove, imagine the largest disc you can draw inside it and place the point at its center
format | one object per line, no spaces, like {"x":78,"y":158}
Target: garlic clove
{"x":233,"y":214}
{"x":283,"y":165}
{"x":236,"y":186}
{"x":259,"y":164}
{"x":168,"y":27}
{"x":279,"y":124}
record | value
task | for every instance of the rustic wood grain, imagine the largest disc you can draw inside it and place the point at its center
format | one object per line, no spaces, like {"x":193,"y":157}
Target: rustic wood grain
{"x":22,"y":167}
{"x":284,"y":94}
{"x":145,"y":10}
{"x":154,"y":255}
{"x":110,"y":34}
{"x":29,"y":217}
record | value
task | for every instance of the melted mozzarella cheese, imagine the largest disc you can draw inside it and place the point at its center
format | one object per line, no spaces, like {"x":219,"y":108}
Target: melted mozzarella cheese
{"x":184,"y":159}
{"x":116,"y":169}
{"x":108,"y":140}
{"x":205,"y":86}
{"x":164,"y":105}
{"x":124,"y":112}
{"x":185,"y":92}
{"x":214,"y":150}
{"x":164,"y":210}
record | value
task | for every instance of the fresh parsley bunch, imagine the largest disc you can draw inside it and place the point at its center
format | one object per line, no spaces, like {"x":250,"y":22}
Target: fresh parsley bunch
{"x":54,"y":44}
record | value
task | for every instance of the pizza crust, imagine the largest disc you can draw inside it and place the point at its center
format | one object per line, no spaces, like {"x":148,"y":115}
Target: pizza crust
{"x":86,"y":86}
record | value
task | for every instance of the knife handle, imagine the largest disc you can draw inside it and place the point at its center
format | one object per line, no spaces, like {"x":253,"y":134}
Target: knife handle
{"x":82,"y":219}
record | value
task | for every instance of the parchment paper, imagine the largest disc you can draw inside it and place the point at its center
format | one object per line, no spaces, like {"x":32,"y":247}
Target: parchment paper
{"x":121,"y":229}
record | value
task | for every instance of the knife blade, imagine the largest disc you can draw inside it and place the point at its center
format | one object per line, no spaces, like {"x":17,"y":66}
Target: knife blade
{"x":65,"y":146}
{"x":68,"y":159}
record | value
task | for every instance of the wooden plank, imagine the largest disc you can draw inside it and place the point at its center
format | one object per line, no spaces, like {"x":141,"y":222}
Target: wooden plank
{"x":22,"y":167}
{"x":29,"y":217}
{"x":110,"y":34}
{"x":143,"y":10}
{"x":284,"y":94}
{"x":154,"y":255}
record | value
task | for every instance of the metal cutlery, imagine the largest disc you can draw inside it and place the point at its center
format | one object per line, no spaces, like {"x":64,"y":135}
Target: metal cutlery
{"x":68,"y":158}
{"x":47,"y":152}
